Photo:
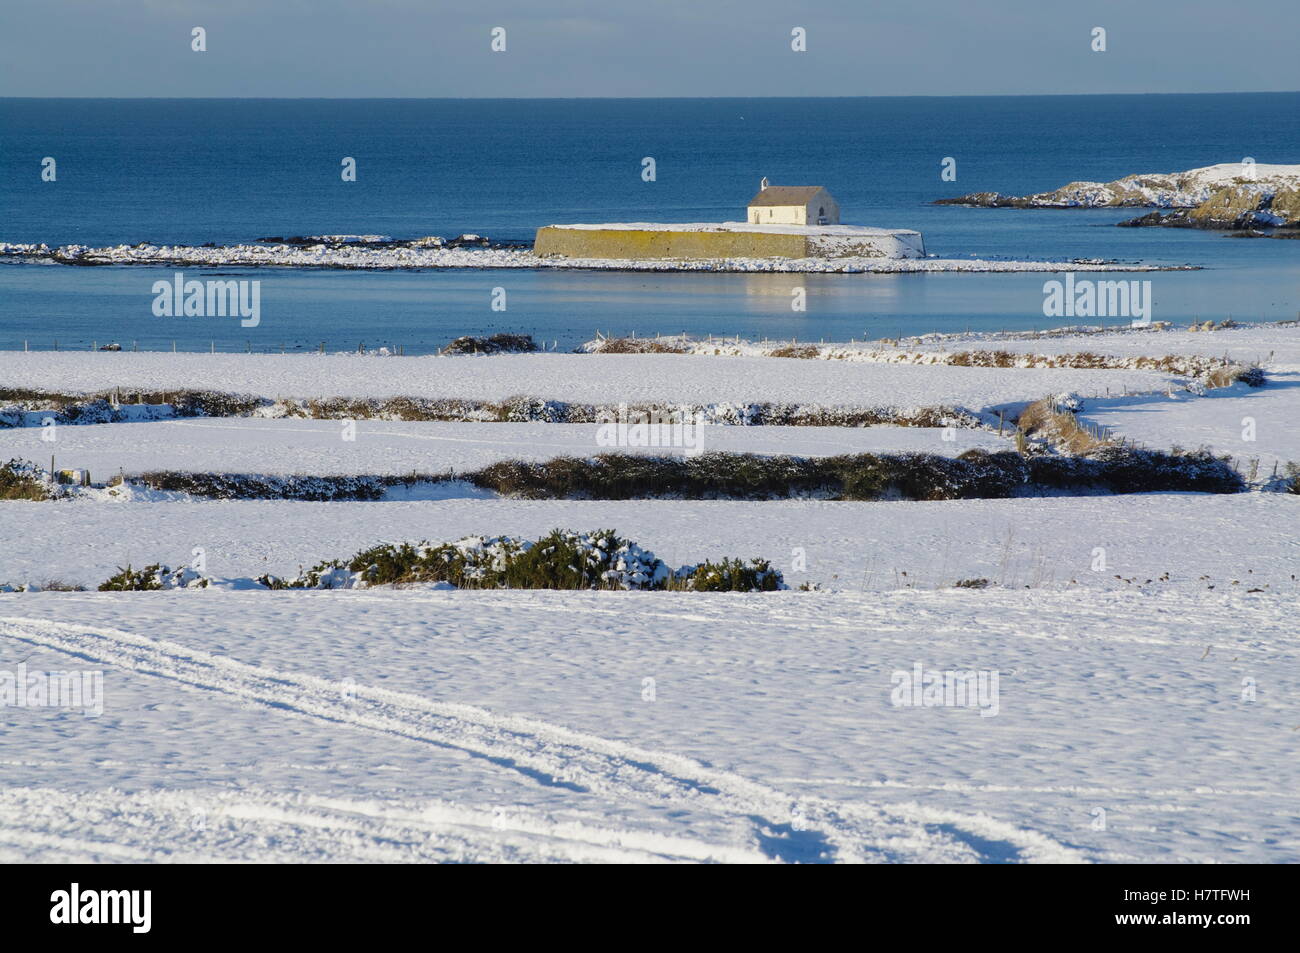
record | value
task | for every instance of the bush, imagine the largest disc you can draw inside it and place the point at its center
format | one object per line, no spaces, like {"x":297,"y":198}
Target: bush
{"x":129,"y":580}
{"x":802,"y":351}
{"x":496,"y":344}
{"x":327,"y":575}
{"x":152,"y":579}
{"x":1293,"y":478}
{"x":568,"y":560}
{"x":562,"y":559}
{"x":635,"y":346}
{"x":1252,"y":376}
{"x":734,"y":575}
{"x":246,"y":486}
{"x":22,"y":480}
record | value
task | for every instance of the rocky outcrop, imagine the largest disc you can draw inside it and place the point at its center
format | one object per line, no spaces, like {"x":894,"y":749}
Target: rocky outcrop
{"x":1232,"y":196}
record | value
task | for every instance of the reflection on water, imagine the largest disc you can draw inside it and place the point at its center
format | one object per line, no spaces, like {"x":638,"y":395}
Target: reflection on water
{"x":422,"y":311}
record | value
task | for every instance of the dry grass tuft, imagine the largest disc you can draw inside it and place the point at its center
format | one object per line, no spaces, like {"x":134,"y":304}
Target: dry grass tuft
{"x":1044,"y":420}
{"x":802,"y":351}
{"x":638,"y":346}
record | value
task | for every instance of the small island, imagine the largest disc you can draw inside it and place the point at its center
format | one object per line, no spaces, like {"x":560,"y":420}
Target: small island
{"x":1230,"y":196}
{"x":781,"y":222}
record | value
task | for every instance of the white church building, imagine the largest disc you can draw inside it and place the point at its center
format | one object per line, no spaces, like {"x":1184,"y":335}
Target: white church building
{"x":793,"y":205}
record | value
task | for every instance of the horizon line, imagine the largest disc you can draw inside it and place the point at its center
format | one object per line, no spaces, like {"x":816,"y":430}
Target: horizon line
{"x":1251,"y":92}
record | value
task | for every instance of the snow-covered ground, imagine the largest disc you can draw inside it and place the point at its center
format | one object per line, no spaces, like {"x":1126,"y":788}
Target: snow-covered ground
{"x":1250,"y":538}
{"x":605,"y":379}
{"x":1143,"y":646}
{"x":1274,"y":346}
{"x":1247,"y":423}
{"x":404,"y":726}
{"x":318,"y":447}
{"x":1271,"y":345}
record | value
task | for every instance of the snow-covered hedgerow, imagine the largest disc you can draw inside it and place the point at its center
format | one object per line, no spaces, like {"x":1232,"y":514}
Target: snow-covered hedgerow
{"x":154,"y":578}
{"x":563,"y":559}
{"x":975,"y":474}
{"x":247,"y":486}
{"x":33,"y":407}
{"x":1212,"y":371}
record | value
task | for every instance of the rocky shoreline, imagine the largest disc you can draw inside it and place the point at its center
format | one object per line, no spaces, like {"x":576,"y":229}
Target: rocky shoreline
{"x":381,"y":253}
{"x":1238,"y":197}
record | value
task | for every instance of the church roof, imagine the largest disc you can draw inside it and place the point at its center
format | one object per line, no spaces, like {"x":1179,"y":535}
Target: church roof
{"x":785,"y":195}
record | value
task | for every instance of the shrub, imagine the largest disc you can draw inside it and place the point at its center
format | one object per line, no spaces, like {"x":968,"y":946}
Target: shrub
{"x":496,"y":344}
{"x":128,"y":580}
{"x":244,"y":486}
{"x":326,"y":575}
{"x":379,"y":564}
{"x":733,"y":575}
{"x":1252,"y":376}
{"x":153,"y":578}
{"x":23,"y":480}
{"x":568,"y":560}
{"x":1293,"y":478}
{"x":562,"y":559}
{"x":637,"y":346}
{"x":803,"y":351}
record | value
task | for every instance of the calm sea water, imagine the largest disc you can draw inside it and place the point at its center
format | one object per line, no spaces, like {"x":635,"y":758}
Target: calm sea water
{"x":198,"y":171}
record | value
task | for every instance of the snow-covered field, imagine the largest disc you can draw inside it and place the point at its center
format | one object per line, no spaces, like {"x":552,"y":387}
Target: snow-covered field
{"x":318,"y":447}
{"x":1271,"y":345}
{"x":1133,"y":658}
{"x":580,"y":726}
{"x":1275,"y":346}
{"x":1253,"y":538}
{"x":591,"y":378}
{"x":1249,"y":423}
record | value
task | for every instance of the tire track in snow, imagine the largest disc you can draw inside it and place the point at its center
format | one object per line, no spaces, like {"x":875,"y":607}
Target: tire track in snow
{"x":809,"y":829}
{"x":256,"y":826}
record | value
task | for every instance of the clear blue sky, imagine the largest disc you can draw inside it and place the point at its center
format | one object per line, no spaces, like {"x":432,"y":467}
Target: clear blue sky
{"x":645,"y":48}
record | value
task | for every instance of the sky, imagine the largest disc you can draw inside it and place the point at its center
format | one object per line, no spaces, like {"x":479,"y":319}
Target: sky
{"x":651,"y":48}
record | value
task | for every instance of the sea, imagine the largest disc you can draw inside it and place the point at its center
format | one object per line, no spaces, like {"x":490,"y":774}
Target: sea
{"x":193,"y":171}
